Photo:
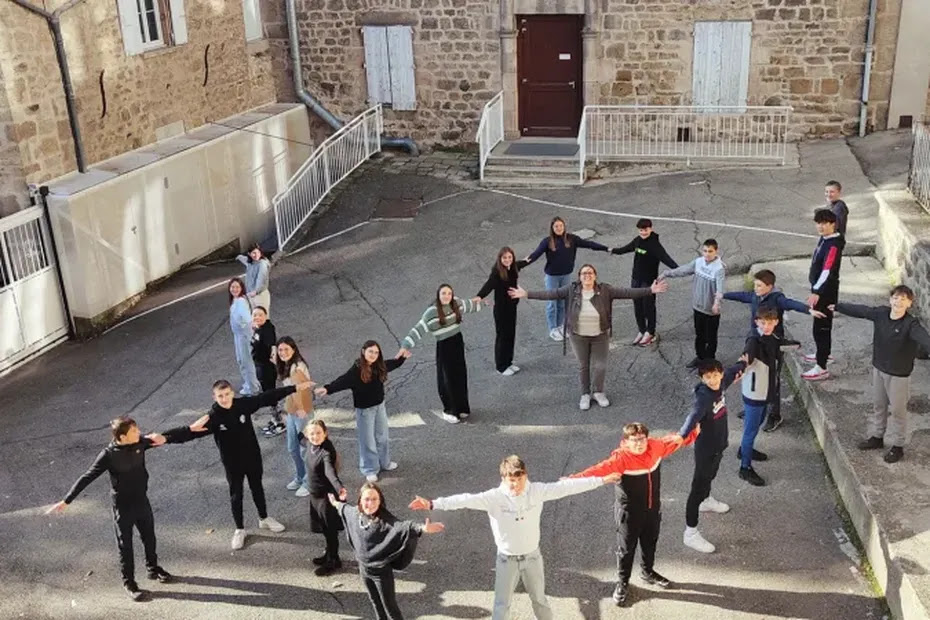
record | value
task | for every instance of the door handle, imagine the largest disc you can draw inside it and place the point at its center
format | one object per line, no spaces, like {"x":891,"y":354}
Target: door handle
{"x":572,"y":84}
{"x":524,"y":80}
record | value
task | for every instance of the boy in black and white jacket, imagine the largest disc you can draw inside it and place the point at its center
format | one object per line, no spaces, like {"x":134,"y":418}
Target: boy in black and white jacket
{"x":759,"y":387}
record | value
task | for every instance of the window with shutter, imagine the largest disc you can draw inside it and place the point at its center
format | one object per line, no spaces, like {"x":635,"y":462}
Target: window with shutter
{"x":389,"y":66}
{"x":150,"y":24}
{"x":721,"y":63}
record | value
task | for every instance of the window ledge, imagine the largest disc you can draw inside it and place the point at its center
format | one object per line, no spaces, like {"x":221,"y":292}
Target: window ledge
{"x":160,"y":51}
{"x":257,"y":46}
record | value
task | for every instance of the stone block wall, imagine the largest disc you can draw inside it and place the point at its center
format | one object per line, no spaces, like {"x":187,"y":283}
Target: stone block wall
{"x":12,"y":183}
{"x":904,"y":244}
{"x":122,"y":100}
{"x":456,"y":49}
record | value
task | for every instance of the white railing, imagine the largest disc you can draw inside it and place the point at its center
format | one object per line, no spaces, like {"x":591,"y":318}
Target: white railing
{"x":330,"y":163}
{"x":690,"y":133}
{"x":490,"y":129}
{"x":918,"y":176}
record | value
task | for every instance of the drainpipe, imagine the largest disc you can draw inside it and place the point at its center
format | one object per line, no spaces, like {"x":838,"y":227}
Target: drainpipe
{"x":43,"y":192}
{"x":54,"y":24}
{"x":867,"y":69}
{"x":310,"y":101}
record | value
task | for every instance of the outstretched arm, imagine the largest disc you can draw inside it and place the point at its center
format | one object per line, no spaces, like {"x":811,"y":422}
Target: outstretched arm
{"x":591,"y":245}
{"x":418,"y":332}
{"x":540,"y":249}
{"x":858,"y":311}
{"x":572,"y":486}
{"x":684,"y":270}
{"x":744,"y":297}
{"x":625,"y":249}
{"x":463,"y":501}
{"x":618,"y":462}
{"x":100,"y":465}
{"x":556,"y":293}
{"x":667,"y":260}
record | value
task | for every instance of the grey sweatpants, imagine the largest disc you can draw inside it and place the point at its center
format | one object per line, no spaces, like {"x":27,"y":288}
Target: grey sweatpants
{"x":591,"y":352}
{"x":889,"y":395}
{"x":509,"y":570}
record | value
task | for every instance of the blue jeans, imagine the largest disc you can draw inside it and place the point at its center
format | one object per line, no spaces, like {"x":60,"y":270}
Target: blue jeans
{"x":752,"y":420}
{"x":243,"y":344}
{"x":374,"y":452}
{"x":295,"y":428}
{"x":555,"y":309}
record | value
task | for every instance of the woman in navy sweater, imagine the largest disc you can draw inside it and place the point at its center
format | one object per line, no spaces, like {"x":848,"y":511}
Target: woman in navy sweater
{"x":503,"y":277}
{"x":560,"y":248}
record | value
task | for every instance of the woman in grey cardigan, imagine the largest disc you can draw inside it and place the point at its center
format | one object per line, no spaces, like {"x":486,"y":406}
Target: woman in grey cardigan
{"x":588,"y":320}
{"x":256,"y":277}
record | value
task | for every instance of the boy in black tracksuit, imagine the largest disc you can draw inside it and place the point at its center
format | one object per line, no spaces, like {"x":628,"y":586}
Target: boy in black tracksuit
{"x":230,"y":423}
{"x":124,"y":459}
{"x":824,"y":277}
{"x":648,"y":253}
{"x":709,"y":411}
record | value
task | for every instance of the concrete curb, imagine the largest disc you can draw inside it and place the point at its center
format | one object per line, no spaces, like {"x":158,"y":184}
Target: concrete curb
{"x":891,"y":576}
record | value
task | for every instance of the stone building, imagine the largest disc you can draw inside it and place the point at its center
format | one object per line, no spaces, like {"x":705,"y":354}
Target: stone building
{"x":186,"y":63}
{"x":551,"y":57}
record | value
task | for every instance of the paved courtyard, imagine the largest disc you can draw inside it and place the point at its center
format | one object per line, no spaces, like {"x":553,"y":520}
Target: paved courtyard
{"x":783,"y":550}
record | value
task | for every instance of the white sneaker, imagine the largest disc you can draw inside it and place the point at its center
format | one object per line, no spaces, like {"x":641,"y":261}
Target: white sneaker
{"x":816,"y":374}
{"x":693,"y":539}
{"x":585,"y":403}
{"x":556,"y":334}
{"x":712,"y":505}
{"x":508,"y":372}
{"x":812,"y":357}
{"x":451,"y":419}
{"x":269,"y":523}
{"x":514,"y":368}
{"x":372,"y":478}
{"x":647,"y":340}
{"x":601,"y":399}
{"x":390,"y":467}
{"x":639,"y":336}
{"x":302,"y":491}
{"x":293,"y":485}
{"x":238,"y":539}
{"x":561,"y":329}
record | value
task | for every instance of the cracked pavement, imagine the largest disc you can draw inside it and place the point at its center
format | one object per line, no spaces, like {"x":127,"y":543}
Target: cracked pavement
{"x":778,"y":555}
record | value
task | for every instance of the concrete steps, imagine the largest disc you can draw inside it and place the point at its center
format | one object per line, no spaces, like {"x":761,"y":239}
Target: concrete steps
{"x":516,"y":171}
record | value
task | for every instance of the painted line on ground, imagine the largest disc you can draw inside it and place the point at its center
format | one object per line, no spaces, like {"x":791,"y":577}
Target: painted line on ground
{"x":660,"y":218}
{"x":453,"y":195}
{"x":327,"y":238}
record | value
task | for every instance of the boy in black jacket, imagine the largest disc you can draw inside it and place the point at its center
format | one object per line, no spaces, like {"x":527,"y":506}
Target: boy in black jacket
{"x":895,"y":340}
{"x":824,"y":277}
{"x":648,"y":253}
{"x":709,"y":412}
{"x":230,"y":423}
{"x":264,"y":339}
{"x":124,"y":459}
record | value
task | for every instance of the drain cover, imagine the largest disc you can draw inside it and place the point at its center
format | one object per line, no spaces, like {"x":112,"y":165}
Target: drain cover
{"x":396,"y":209}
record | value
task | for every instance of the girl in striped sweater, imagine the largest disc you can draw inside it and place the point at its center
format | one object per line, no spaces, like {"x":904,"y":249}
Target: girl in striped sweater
{"x":443,"y":320}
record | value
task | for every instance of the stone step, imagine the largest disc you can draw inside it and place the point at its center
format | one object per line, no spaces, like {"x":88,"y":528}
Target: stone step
{"x":513,"y":182}
{"x":498,"y":170}
{"x":526,"y":162}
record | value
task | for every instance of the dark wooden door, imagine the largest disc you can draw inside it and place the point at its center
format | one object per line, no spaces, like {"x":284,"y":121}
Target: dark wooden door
{"x":549,"y":74}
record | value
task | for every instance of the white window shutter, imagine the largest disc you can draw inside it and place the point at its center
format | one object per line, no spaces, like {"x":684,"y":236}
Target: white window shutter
{"x":721,"y":63}
{"x":403,"y":84}
{"x":178,"y":21}
{"x":129,"y":25}
{"x":253,"y":20}
{"x":377,"y":68}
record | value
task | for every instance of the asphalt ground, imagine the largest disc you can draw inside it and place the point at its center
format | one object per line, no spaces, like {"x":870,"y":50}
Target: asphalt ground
{"x":782,"y":550}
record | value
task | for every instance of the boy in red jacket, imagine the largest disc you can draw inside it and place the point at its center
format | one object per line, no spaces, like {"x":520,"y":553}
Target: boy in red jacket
{"x":638,"y":504}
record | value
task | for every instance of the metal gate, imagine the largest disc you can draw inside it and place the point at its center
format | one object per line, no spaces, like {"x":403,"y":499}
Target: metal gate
{"x":32,"y":315}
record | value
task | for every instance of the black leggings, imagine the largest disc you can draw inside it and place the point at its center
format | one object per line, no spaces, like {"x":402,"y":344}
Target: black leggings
{"x":505,"y":324}
{"x":381,"y":592}
{"x":823,"y":328}
{"x":705,"y":335}
{"x":138,"y":515}
{"x":644,"y":308}
{"x":636,"y":526}
{"x":235,"y":478}
{"x":705,"y":470}
{"x":452,"y":375}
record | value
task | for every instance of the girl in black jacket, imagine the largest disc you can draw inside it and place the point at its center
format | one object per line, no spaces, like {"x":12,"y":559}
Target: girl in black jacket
{"x":503,"y":277}
{"x":382,"y":544}
{"x":366,"y":379}
{"x":322,"y":471}
{"x":264,"y":338}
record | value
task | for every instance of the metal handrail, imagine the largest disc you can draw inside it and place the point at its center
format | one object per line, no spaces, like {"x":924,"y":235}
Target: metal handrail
{"x":490,"y":129}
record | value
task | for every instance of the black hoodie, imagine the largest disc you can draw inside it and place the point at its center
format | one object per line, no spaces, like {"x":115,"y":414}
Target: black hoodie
{"x":710,"y":411}
{"x":648,"y":253}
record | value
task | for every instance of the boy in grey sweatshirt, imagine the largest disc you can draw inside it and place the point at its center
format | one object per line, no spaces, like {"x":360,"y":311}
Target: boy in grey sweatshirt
{"x":708,"y":286}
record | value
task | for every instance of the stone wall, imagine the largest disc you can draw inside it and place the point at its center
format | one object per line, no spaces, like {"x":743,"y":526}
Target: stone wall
{"x":122,"y":100}
{"x":903,"y":231}
{"x":12,"y":182}
{"x":456,"y":48}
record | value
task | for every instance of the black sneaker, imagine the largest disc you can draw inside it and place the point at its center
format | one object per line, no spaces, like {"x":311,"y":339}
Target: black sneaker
{"x":134,"y":592}
{"x":160,"y":574}
{"x":693,"y":363}
{"x":894,"y":455}
{"x":756,"y":455}
{"x":328,"y":568}
{"x":749,"y":475}
{"x":620,"y":593}
{"x":653,"y":578}
{"x":320,"y":561}
{"x":872,"y":443}
{"x":771,"y":423}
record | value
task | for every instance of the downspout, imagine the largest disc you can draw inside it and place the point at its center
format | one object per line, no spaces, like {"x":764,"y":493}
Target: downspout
{"x":867,"y":69}
{"x":43,"y":192}
{"x":54,"y":24}
{"x":310,"y":101}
